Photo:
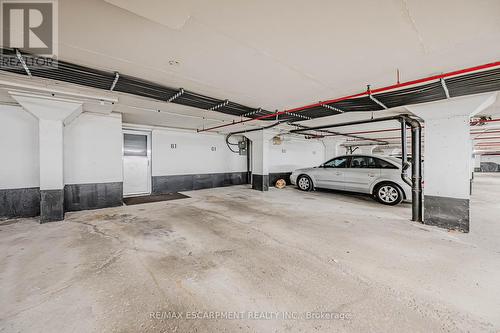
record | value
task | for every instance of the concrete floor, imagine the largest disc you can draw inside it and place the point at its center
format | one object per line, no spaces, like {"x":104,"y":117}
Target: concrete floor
{"x":237,"y":250}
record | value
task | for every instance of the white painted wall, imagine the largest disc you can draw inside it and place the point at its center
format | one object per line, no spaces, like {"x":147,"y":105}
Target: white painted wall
{"x":490,"y":158}
{"x":293,"y":154}
{"x":19,"y":148}
{"x":193,"y":154}
{"x":93,"y":149}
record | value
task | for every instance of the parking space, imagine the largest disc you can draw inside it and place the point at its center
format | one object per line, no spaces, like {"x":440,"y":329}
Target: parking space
{"x":229,"y":249}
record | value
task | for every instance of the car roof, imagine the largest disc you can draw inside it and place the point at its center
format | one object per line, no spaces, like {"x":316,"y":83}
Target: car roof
{"x":384,"y":157}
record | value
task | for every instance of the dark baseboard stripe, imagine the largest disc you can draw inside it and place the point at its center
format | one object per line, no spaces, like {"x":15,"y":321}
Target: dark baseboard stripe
{"x":260,"y":182}
{"x":449,"y":213}
{"x":178,"y":183}
{"x":92,"y":196}
{"x":274,"y":176}
{"x":20,"y":202}
{"x":51,"y":205}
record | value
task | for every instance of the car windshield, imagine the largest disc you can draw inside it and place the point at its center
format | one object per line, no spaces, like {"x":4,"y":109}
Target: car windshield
{"x":339,"y":162}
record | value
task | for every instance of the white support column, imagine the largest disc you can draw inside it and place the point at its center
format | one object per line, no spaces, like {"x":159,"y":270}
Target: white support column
{"x":365,"y":149}
{"x":477,"y":163}
{"x":260,"y":158}
{"x":51,"y":154}
{"x":447,"y":158}
{"x":332,"y":147}
{"x":52,"y":115}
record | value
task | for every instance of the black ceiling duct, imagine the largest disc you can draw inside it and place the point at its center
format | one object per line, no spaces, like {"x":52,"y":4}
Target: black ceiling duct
{"x":460,"y":85}
{"x":89,"y":77}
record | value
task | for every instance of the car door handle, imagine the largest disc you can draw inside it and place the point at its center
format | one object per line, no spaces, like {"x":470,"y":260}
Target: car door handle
{"x":371,"y":175}
{"x":338,"y":173}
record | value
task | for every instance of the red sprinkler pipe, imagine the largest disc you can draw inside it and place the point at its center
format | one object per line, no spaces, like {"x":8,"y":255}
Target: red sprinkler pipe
{"x":367,"y":92}
{"x":484,"y":138}
{"x":399,"y":129}
{"x":486,"y":144}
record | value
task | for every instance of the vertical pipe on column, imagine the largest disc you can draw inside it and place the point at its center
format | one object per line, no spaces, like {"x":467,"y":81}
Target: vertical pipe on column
{"x":416,"y":152}
{"x":249,"y":161}
{"x":404,"y":150}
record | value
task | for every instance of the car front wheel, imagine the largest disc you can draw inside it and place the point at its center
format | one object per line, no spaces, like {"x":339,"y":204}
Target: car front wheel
{"x":304,"y":183}
{"x":389,"y":194}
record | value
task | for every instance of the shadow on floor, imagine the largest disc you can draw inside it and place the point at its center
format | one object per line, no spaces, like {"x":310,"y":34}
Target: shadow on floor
{"x":153,"y":198}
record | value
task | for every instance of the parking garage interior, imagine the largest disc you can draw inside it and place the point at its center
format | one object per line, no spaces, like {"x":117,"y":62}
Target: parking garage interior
{"x":172,"y":167}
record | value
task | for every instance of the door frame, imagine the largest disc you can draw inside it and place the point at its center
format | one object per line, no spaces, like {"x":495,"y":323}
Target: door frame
{"x":128,"y":130}
{"x":337,"y":184}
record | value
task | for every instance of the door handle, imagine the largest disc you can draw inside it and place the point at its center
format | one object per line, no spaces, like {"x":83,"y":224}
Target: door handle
{"x":371,"y":175}
{"x":338,"y":173}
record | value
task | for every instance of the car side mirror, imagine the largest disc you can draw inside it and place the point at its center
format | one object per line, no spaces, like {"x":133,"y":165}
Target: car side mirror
{"x":406,"y":166}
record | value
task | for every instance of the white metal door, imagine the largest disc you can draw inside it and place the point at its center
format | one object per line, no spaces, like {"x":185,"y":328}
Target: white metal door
{"x":136,"y":162}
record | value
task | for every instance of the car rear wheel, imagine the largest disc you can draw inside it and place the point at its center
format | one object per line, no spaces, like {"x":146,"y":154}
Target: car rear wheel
{"x":304,"y":183}
{"x":388,"y":194}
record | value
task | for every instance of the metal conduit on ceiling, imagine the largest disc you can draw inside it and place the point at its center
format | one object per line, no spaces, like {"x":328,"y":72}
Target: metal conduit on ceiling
{"x":468,"y":81}
{"x":94,"y":78}
{"x":480,"y":79}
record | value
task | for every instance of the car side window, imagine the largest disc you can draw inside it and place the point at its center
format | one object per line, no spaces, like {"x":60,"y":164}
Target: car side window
{"x":359,"y":162}
{"x":339,"y":162}
{"x":381,"y":164}
{"x":369,"y":162}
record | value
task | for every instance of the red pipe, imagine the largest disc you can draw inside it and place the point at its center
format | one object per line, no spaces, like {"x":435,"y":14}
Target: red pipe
{"x":487,"y":132}
{"x":398,"y":137}
{"x":399,"y":129}
{"x":487,"y":138}
{"x":368,"y":92}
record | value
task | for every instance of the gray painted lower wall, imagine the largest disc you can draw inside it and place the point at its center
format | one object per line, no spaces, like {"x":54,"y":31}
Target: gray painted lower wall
{"x":92,"y":196}
{"x":274,"y":176}
{"x":262,"y":182}
{"x":51,"y":205}
{"x":449,"y":213}
{"x":177,"y":183}
{"x":20,"y":202}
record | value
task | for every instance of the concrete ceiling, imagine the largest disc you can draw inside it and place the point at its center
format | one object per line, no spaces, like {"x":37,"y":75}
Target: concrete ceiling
{"x":272,"y":54}
{"x":279,"y":54}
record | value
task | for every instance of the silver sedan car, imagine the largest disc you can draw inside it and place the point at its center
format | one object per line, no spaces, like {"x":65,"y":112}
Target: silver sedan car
{"x":372,"y":174}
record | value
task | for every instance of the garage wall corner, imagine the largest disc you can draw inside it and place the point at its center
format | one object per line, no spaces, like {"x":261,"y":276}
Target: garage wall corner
{"x":184,"y":161}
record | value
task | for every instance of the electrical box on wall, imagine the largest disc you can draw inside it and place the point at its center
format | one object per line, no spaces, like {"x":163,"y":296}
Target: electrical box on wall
{"x":242,"y":147}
